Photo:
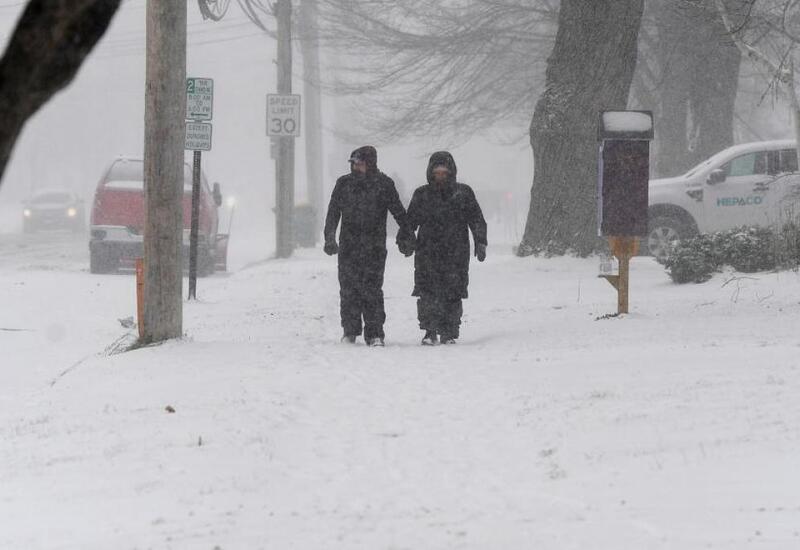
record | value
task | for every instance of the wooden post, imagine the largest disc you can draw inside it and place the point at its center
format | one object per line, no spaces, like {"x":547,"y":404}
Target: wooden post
{"x":165,"y":106}
{"x":622,"y":291}
{"x":284,"y":164}
{"x":309,"y":43}
{"x":624,"y":248}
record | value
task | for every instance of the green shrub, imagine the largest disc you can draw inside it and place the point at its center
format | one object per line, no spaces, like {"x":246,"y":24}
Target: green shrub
{"x":749,"y":249}
{"x":693,"y":260}
{"x":788,"y":246}
{"x":746,"y":249}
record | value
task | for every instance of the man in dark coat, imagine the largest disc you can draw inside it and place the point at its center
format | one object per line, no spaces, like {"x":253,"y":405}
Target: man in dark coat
{"x":445,"y":212}
{"x":361,"y":200}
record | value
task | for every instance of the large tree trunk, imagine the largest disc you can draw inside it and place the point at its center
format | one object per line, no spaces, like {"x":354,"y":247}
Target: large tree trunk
{"x":699,"y":73}
{"x":50,"y":43}
{"x":589,"y":70}
{"x":165,"y":110}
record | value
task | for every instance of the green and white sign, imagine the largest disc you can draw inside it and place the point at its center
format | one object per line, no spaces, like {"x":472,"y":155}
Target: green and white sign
{"x":199,"y":99}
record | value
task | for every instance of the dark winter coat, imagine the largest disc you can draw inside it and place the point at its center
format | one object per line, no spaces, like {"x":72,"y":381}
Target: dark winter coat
{"x":362,"y":202}
{"x":445,"y":216}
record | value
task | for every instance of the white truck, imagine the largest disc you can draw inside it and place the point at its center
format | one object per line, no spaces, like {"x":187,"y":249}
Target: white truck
{"x":749,"y":184}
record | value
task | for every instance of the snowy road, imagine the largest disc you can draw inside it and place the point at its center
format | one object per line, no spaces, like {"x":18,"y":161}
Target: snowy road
{"x":677,"y":427}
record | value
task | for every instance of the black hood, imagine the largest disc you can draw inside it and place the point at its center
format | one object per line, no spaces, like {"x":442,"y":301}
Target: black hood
{"x":369,"y":155}
{"x":353,"y":158}
{"x":442,"y":158}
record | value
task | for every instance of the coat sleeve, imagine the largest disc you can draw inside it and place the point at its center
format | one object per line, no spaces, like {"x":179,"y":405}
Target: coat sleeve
{"x":397,"y":210}
{"x":477,"y":224}
{"x":414,"y":215}
{"x":334,"y":213}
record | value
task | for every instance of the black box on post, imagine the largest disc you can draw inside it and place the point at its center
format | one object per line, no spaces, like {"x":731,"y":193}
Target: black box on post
{"x":624,"y":173}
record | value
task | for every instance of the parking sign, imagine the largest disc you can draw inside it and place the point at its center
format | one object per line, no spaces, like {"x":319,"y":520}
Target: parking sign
{"x":199,"y":99}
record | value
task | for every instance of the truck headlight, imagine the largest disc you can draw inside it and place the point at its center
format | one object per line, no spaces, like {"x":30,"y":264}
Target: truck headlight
{"x":71,"y":212}
{"x":27,"y":213}
{"x":231,"y":202}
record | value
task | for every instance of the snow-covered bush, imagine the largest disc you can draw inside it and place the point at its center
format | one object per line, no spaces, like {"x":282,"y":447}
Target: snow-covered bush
{"x":749,"y":249}
{"x":746,"y":249}
{"x":693,"y":260}
{"x":788,"y":246}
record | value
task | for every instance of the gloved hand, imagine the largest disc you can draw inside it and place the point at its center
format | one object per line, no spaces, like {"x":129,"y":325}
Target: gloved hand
{"x":331,"y":248}
{"x":406,"y":247}
{"x":480,"y":251}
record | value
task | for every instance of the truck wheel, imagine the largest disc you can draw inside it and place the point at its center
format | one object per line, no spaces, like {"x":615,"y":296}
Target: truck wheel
{"x":102,"y":261}
{"x":662,"y":234}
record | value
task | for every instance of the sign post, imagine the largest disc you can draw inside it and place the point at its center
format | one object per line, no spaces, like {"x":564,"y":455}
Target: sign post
{"x":199,"y":110}
{"x":622,"y":194}
{"x":283,"y":126}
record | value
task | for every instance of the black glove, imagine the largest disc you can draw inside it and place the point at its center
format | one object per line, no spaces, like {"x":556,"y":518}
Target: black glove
{"x":480,"y":251}
{"x":406,"y":247}
{"x":331,"y":248}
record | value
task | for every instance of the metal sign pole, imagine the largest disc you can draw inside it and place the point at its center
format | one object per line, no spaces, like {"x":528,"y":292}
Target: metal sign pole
{"x":195,"y":226}
{"x":199,"y":108}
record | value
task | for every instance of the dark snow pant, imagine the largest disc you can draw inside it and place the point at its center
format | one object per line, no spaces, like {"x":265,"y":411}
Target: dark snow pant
{"x":441,"y":314}
{"x":361,"y":294}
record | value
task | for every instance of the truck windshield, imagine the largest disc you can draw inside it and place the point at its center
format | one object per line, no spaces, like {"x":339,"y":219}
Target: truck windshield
{"x":51,"y":198}
{"x":129,"y":174}
{"x":705,"y":164}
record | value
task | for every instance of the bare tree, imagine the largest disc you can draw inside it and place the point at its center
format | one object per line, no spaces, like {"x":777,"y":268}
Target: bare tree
{"x":767,"y":35}
{"x":456,"y":68}
{"x":265,"y":14}
{"x":688,"y":74}
{"x":50,"y":43}
{"x":590,"y":69}
{"x":425,"y":68}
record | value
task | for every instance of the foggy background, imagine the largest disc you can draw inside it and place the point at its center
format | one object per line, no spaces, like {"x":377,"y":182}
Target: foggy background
{"x":74,"y":138}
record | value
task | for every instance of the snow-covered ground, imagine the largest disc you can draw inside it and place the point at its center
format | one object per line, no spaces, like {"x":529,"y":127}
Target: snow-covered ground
{"x":676,"y":427}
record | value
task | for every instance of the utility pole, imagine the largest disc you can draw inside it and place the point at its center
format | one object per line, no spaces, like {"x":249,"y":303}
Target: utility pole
{"x":284,"y":164}
{"x":165,"y":106}
{"x":309,"y":42}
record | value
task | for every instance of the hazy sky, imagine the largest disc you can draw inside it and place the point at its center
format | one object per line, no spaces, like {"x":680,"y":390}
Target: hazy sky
{"x":72,"y":139}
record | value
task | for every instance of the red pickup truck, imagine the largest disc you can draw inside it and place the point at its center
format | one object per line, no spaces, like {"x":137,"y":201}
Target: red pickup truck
{"x":117,"y":220}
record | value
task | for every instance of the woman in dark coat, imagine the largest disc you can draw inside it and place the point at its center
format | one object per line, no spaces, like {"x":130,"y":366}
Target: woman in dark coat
{"x":445,"y":212}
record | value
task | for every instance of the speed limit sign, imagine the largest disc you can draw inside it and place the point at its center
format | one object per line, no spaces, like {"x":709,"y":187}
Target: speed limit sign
{"x":283,"y":115}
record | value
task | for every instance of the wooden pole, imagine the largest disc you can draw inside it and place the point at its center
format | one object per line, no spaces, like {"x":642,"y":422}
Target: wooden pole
{"x":165,"y":106}
{"x":312,"y":102}
{"x":624,"y":248}
{"x":622,"y":291}
{"x":284,"y":165}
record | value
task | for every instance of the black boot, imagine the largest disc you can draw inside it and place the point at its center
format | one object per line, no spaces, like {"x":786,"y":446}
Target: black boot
{"x":430,"y":338}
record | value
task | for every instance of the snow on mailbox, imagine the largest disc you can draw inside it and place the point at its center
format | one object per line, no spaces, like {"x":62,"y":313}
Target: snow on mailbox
{"x":624,"y":172}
